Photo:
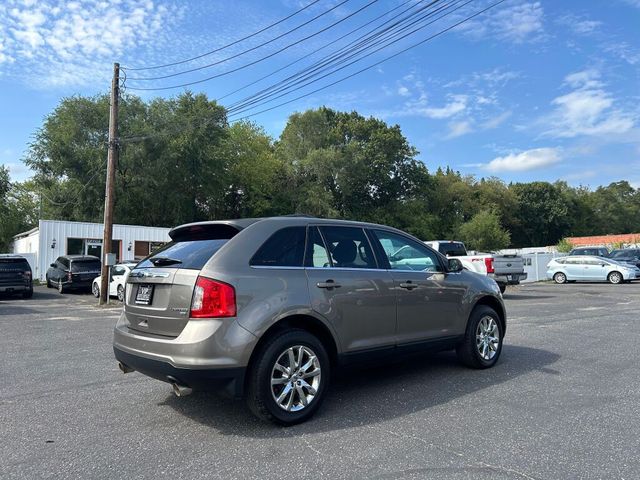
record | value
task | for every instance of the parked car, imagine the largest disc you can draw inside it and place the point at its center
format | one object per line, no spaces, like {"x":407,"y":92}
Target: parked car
{"x":504,"y":269}
{"x":628,"y":255}
{"x":269,"y":308}
{"x":15,"y":276}
{"x":589,"y":268}
{"x":73,"y":272}
{"x":593,"y":251}
{"x":117,"y":283}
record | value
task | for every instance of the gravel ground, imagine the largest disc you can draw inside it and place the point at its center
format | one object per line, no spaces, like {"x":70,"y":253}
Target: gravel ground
{"x":563,"y":402}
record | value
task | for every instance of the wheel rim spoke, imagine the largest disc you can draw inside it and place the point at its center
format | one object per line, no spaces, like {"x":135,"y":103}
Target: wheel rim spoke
{"x":487,"y":338}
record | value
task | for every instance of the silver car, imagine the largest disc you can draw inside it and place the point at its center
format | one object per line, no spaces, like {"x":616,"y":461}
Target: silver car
{"x":268,"y":309}
{"x":590,"y":269}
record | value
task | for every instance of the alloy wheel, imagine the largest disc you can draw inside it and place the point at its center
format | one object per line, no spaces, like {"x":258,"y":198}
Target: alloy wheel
{"x":295,"y":378}
{"x":120,"y":293}
{"x":487,"y":338}
{"x":560,"y":278}
{"x":615,"y":277}
{"x":95,"y":289}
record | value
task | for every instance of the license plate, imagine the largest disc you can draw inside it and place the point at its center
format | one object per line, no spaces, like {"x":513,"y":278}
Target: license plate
{"x":144,"y":295}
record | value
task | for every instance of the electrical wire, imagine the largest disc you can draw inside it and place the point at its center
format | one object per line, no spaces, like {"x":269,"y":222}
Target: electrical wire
{"x":389,"y":41}
{"x":314,"y":51}
{"x":99,"y":170}
{"x":345,"y":53}
{"x":202,"y":67}
{"x":441,"y":32}
{"x":155,"y":67}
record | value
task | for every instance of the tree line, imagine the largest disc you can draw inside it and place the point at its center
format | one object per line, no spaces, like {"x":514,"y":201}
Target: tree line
{"x":181,"y":161}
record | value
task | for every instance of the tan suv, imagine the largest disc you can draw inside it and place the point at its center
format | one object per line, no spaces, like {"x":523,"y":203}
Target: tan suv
{"x":269,"y":308}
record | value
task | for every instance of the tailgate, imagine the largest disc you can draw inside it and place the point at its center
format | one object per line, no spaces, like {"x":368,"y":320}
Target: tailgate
{"x":508,"y":264}
{"x":158,"y":300}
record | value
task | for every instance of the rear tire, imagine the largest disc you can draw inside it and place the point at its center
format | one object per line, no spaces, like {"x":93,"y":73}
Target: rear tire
{"x":28,"y":293}
{"x":615,"y":278}
{"x":120,"y":293}
{"x":482,"y":342}
{"x":95,"y":289}
{"x":560,"y":278}
{"x":278,"y":395}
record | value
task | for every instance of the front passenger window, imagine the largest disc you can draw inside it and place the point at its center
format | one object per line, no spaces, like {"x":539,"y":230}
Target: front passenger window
{"x":405,"y":254}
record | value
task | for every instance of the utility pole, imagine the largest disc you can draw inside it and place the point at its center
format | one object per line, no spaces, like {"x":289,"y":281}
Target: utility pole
{"x":112,"y":161}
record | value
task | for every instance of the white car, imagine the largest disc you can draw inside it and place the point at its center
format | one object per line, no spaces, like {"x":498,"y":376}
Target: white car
{"x":590,"y":269}
{"x":119,"y":274}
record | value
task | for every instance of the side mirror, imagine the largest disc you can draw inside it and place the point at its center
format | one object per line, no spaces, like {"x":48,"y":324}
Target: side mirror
{"x":53,"y":265}
{"x":454,"y":265}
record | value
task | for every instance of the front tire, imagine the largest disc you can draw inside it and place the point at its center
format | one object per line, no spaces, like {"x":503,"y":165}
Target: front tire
{"x":560,"y":278}
{"x":482,"y":342}
{"x":121,"y":293}
{"x":288,"y":379}
{"x":95,"y":289}
{"x":60,"y":287}
{"x":49,"y":285}
{"x":615,"y":278}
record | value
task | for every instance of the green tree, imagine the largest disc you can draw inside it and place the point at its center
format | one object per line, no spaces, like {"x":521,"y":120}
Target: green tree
{"x":484,"y":232}
{"x":17,"y":209}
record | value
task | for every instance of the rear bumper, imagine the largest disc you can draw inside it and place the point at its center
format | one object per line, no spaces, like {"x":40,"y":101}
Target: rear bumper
{"x":15,"y":288}
{"x":229,"y":380}
{"x":510,"y":279}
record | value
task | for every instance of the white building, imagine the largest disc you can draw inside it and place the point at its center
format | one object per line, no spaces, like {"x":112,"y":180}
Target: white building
{"x":53,"y":238}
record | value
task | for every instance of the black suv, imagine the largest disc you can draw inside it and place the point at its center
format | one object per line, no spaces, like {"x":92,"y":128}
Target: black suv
{"x":629,"y":255}
{"x":73,"y":272}
{"x":15,"y":275}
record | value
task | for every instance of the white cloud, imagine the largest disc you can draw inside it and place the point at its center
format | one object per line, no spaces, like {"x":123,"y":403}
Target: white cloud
{"x":51,"y":43}
{"x":458,"y":129}
{"x":404,"y":92}
{"x":518,"y":22}
{"x":526,"y":160}
{"x":579,"y":25}
{"x":457,"y":104}
{"x":496,"y":121}
{"x":587,"y":110}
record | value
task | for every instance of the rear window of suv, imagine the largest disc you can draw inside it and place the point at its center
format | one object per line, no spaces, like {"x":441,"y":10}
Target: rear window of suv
{"x":80,"y":266}
{"x":189,"y":254}
{"x":452,"y":249}
{"x":14,"y":264}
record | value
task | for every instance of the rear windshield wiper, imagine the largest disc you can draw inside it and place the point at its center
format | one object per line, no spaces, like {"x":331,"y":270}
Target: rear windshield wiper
{"x":158,"y":261}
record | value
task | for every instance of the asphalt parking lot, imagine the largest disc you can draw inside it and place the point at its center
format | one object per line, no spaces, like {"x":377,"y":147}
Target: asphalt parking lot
{"x":563,"y":402}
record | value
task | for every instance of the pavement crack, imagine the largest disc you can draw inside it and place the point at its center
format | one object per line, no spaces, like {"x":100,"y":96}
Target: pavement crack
{"x":497,"y":468}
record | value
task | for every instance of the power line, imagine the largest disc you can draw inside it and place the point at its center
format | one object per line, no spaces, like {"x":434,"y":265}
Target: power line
{"x":315,"y":51}
{"x":345,"y":53}
{"x":375,"y":64}
{"x":389,"y":41}
{"x":227,"y":45}
{"x":257,"y":46}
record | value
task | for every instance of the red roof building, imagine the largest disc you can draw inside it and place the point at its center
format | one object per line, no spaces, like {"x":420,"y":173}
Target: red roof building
{"x":626,"y":238}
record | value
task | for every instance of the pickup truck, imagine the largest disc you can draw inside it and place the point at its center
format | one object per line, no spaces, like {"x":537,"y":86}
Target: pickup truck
{"x":504,"y":269}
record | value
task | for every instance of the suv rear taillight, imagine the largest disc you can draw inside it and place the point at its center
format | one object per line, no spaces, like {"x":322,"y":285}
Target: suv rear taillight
{"x":489,"y":264}
{"x":212,"y":299}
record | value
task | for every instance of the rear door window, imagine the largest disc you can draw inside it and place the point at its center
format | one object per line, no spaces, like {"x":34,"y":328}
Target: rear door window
{"x":285,"y":248}
{"x":189,"y":254}
{"x":317,"y":255}
{"x":348,"y":247}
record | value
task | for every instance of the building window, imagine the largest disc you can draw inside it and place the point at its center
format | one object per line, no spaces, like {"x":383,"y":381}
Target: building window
{"x":143,"y":249}
{"x":91,"y":246}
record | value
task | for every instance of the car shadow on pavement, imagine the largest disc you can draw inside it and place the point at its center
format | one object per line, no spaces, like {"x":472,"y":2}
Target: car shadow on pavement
{"x":368,"y":396}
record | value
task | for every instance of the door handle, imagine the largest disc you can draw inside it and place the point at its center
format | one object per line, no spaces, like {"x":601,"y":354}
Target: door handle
{"x":408,"y":285}
{"x":328,"y":284}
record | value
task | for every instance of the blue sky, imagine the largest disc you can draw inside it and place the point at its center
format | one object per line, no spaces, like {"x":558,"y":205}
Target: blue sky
{"x":530,"y":90}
